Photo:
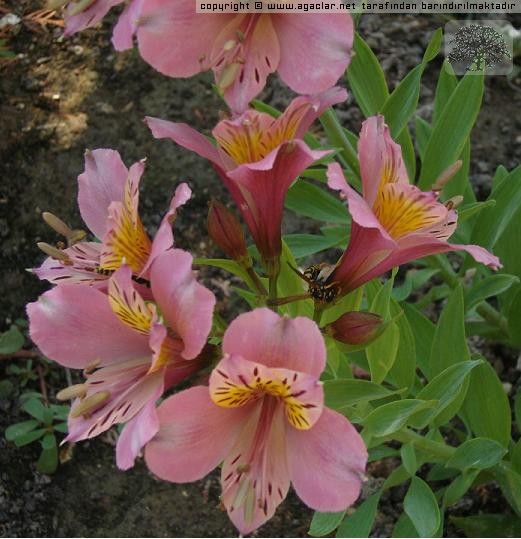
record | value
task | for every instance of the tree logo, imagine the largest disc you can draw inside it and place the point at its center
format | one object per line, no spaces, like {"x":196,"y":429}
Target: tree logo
{"x":476,"y":47}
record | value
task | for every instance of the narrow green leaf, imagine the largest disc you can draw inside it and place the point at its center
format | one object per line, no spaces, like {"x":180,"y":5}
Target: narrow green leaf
{"x":433,"y":48}
{"x":360,"y":523}
{"x":29,"y":437}
{"x":472,"y":209}
{"x":345,"y":392}
{"x":510,"y":482}
{"x":324,"y":523}
{"x":447,"y":83}
{"x":486,"y":405}
{"x":227,"y":265}
{"x":404,"y":527}
{"x":478,"y":453}
{"x":488,"y":287}
{"x":452,"y":130}
{"x":48,"y":461}
{"x":303,"y":245}
{"x":422,"y":508}
{"x":489,"y":525}
{"x":403,"y":369}
{"x":423,"y":131}
{"x":423,"y":330}
{"x":517,"y":408}
{"x":391,"y":417}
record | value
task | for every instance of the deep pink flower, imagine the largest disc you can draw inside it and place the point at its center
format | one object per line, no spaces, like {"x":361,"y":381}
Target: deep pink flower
{"x":130,"y":350}
{"x":108,"y":199}
{"x":393,"y":222}
{"x":258,"y":157}
{"x":309,"y":51}
{"x":264,"y":416}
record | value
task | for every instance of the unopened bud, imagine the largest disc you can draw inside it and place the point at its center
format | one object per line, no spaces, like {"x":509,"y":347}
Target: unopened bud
{"x":446,"y":176}
{"x":356,"y":327}
{"x":226,"y":231}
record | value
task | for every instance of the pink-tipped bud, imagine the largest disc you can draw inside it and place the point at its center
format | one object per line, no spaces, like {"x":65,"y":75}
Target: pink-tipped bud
{"x":356,"y":327}
{"x":226,"y":231}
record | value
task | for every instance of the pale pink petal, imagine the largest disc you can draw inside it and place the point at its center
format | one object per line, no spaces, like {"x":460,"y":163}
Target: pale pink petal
{"x":380,"y":158}
{"x":74,"y":325}
{"x":236,"y":382}
{"x":164,"y":238}
{"x":102,"y":182}
{"x":194,"y":436}
{"x":264,"y":337}
{"x":137,"y":433}
{"x":126,"y":27}
{"x":186,"y":305}
{"x":260,"y":58}
{"x":176,"y":40}
{"x":480,"y":254}
{"x":87,"y":18}
{"x":327,"y":462}
{"x":315,"y":49}
{"x":185,"y":136}
{"x":254,"y":476}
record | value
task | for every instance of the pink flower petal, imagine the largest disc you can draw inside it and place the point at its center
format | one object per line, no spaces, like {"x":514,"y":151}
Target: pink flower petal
{"x":74,"y":325}
{"x":186,"y":305}
{"x":87,"y":18}
{"x":126,"y":27}
{"x":102,"y":182}
{"x":236,"y":382}
{"x":315,"y":49}
{"x":380,"y":158}
{"x":137,"y":433}
{"x":327,"y":462}
{"x":260,"y":58}
{"x":255,"y":477}
{"x":195,"y":435}
{"x":176,"y":40}
{"x":264,"y":337}
{"x":164,"y":238}
{"x":185,"y":136}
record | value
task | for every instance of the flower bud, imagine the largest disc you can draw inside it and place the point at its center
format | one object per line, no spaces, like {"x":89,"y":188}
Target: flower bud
{"x":356,"y":327}
{"x":226,"y":231}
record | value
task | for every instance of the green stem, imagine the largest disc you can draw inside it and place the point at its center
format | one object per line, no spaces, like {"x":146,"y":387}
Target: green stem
{"x":338,"y":138}
{"x":261,"y":289}
{"x":272,"y":293}
{"x":317,"y":315}
{"x":484,"y":309}
{"x":287,"y":299}
{"x":438,"y":449}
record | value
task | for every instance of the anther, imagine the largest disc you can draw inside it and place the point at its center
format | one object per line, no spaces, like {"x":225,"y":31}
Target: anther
{"x":91,"y":367}
{"x":90,"y":404}
{"x":228,"y":75}
{"x":72,"y":392}
{"x":57,"y":224}
{"x":53,"y":252}
{"x":446,"y":176}
{"x":453,"y":202}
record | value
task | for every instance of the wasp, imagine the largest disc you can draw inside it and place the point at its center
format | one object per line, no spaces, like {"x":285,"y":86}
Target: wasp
{"x":317,"y":277}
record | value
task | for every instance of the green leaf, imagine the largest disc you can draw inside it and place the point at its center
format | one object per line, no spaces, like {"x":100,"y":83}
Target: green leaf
{"x":510,"y":482}
{"x":517,"y":408}
{"x":312,"y":201}
{"x":489,"y":525}
{"x":227,"y":265}
{"x":360,"y":523}
{"x":447,"y":387}
{"x":35,"y":408}
{"x":422,"y":508}
{"x":403,"y":370}
{"x":447,"y":83}
{"x":488,"y":287}
{"x":303,"y":245}
{"x":457,"y":489}
{"x":404,"y":527}
{"x":391,"y":417}
{"x":48,"y":461}
{"x":449,"y":345}
{"x":469,"y":210}
{"x":366,"y":78}
{"x":451,"y":131}
{"x":62,"y":427}
{"x":345,"y":392}
{"x":324,"y":523}
{"x":486,"y":405}
{"x":423,"y":132}
{"x":14,"y":431}
{"x":408,"y":455}
{"x":479,"y":453}
{"x":423,"y":330}
{"x":29,"y":437}
{"x":433,"y":48}
{"x":11,"y":341}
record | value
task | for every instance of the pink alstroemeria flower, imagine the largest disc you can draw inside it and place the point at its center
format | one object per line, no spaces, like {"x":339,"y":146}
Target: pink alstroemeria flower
{"x":264,"y":416}
{"x":131,"y":350}
{"x":309,"y":51}
{"x":108,"y":199}
{"x":393,"y":222}
{"x":258,"y":157}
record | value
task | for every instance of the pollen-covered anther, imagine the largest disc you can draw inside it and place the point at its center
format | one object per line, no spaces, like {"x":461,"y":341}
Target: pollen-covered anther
{"x":91,"y":367}
{"x":55,"y":253}
{"x":57,"y":224}
{"x":90,"y":404}
{"x":228,"y":75}
{"x":453,"y":202}
{"x":243,"y":468}
{"x":72,"y":392}
{"x":446,"y":176}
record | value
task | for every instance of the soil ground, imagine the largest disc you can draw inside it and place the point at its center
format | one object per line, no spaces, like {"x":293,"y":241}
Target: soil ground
{"x":59,"y":97}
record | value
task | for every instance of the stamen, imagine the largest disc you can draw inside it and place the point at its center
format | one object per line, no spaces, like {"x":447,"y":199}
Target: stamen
{"x":91,"y":367}
{"x":91,"y":403}
{"x":57,"y":224}
{"x":228,"y":75}
{"x":72,"y":392}
{"x":446,"y":176}
{"x":453,"y":202}
{"x":55,"y":253}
